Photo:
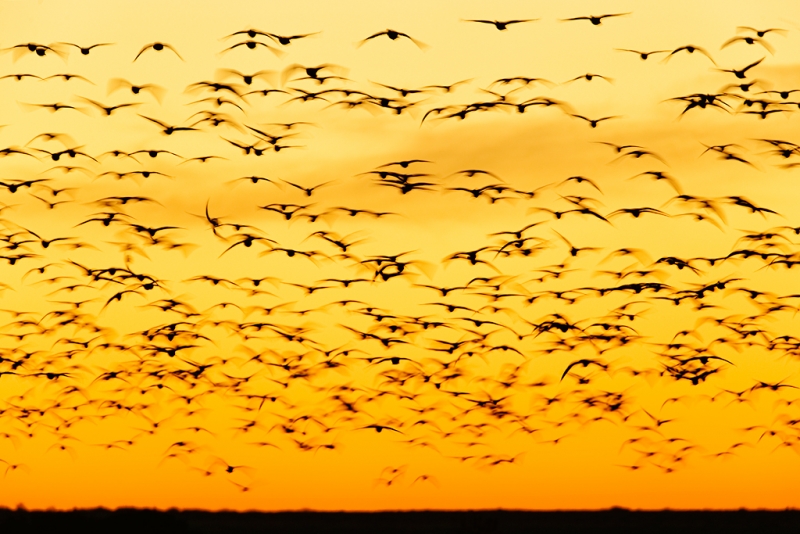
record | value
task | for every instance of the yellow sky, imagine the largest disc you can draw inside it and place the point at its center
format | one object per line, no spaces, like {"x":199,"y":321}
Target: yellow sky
{"x":101,"y":408}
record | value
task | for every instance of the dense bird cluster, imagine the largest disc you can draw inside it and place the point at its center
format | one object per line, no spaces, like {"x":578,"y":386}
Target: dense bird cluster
{"x":120,"y":307}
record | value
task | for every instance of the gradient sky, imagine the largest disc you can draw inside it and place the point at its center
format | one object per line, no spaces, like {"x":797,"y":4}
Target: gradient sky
{"x":96,"y":411}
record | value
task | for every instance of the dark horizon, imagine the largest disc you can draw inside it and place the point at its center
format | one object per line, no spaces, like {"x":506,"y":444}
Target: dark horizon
{"x":399,"y":259}
{"x":461,"y":522}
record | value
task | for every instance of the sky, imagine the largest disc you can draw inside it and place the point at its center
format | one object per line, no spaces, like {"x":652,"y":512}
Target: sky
{"x":465,"y":268}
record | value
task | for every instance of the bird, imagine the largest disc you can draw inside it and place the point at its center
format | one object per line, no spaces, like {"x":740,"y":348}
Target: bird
{"x":750,"y":41}
{"x":380,"y":428}
{"x":115,"y":84}
{"x":760,"y":33}
{"x":253,"y":45}
{"x":589,"y":77}
{"x":309,"y":72}
{"x":594,"y":122}
{"x":660,"y":175}
{"x":85,"y":50}
{"x":21,"y":76}
{"x":596,"y":20}
{"x":288,"y":39}
{"x":109,"y":110}
{"x":585,"y":362}
{"x":642,"y":55}
{"x":394,"y":35}
{"x":248,"y":79}
{"x":158,"y":47}
{"x":167,"y":129}
{"x":742,"y":73}
{"x":501,"y":25}
{"x":691,"y":49}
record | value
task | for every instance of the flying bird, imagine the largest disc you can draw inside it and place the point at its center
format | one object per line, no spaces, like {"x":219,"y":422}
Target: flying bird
{"x":501,"y":25}
{"x":158,"y":47}
{"x":85,"y":50}
{"x":394,"y":35}
{"x":742,"y":73}
{"x":596,"y":20}
{"x":690,"y":49}
{"x":642,"y":55}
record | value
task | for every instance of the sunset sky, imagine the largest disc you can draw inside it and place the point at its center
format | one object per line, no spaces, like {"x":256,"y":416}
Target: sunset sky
{"x":465,"y":268}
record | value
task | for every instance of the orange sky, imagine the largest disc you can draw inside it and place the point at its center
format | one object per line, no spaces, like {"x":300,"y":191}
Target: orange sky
{"x":116,"y":402}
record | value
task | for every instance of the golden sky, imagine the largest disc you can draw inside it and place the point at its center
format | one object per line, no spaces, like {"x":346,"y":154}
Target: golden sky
{"x":577,"y":290}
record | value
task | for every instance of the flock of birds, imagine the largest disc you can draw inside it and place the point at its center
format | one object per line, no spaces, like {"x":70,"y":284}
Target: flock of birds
{"x":98,"y":327}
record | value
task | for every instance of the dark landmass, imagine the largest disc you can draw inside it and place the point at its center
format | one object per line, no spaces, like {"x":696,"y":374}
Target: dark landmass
{"x":441,"y":522}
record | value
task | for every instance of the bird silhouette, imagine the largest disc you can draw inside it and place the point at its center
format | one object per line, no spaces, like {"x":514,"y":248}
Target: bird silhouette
{"x":394,"y":35}
{"x":596,"y":20}
{"x":501,"y":25}
{"x":158,"y":47}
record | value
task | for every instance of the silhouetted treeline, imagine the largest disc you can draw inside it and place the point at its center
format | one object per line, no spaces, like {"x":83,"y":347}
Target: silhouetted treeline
{"x":483,"y":522}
